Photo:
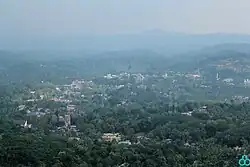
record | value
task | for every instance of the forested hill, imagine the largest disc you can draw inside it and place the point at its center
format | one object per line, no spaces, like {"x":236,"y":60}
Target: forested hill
{"x":34,"y":66}
{"x":213,"y":55}
{"x":26,"y":67}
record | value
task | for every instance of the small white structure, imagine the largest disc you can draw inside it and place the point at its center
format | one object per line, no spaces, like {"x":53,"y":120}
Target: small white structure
{"x":125,"y":142}
{"x":217,"y":77}
{"x":26,"y":125}
{"x":228,"y":80}
{"x":21,"y":107}
{"x":165,"y":76}
{"x":111,"y":136}
{"x":187,"y":113}
{"x":247,"y":82}
{"x":71,"y":107}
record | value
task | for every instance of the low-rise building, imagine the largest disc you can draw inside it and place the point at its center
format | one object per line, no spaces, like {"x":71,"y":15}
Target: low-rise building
{"x":187,"y":113}
{"x":21,"y":107}
{"x":125,"y":142}
{"x":71,"y":107}
{"x":228,"y":80}
{"x":111,"y":137}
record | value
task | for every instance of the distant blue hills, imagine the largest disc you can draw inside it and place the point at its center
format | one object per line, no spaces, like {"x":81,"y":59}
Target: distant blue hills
{"x":164,"y":43}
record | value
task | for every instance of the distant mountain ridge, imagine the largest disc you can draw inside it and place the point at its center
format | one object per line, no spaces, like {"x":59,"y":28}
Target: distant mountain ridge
{"x":168,"y":44}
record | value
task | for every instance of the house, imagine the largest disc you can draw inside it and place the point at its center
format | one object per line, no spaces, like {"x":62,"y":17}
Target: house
{"x":111,"y":137}
{"x":71,"y":107}
{"x":228,"y":80}
{"x":21,"y":107}
{"x":38,"y":114}
{"x":187,"y":113}
{"x":125,"y":142}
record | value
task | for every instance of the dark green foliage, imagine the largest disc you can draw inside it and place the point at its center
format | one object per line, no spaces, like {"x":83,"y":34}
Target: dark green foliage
{"x":173,"y":139}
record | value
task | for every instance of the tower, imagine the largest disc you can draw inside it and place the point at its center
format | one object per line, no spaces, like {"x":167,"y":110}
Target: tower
{"x":170,"y":105}
{"x":67,"y":120}
{"x":175,"y":103}
{"x":217,"y":77}
{"x":25,"y":124}
{"x":198,"y":71}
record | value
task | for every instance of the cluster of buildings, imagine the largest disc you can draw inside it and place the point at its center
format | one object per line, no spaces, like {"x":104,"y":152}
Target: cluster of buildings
{"x":77,"y":84}
{"x":201,"y":109}
{"x":111,"y":137}
{"x":63,"y":95}
{"x":193,"y":76}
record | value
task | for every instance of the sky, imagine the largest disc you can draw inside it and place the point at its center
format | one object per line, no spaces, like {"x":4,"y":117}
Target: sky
{"x":81,"y":17}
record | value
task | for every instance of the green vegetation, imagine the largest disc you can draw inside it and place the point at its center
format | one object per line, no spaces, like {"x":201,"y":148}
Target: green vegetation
{"x":216,"y":136}
{"x":168,"y":112}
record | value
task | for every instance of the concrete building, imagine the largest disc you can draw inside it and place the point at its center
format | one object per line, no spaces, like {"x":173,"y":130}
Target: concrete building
{"x":246,"y":82}
{"x":111,"y":137}
{"x":187,"y":113}
{"x":228,"y":80}
{"x":21,"y":107}
{"x":127,"y":142}
{"x":71,"y":107}
{"x":217,"y":77}
{"x":77,"y":84}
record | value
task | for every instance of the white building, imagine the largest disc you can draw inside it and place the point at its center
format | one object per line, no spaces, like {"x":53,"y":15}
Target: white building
{"x":217,"y":77}
{"x":26,"y":125}
{"x":228,"y":80}
{"x":111,"y":136}
{"x":125,"y":142}
{"x":247,"y":82}
{"x":187,"y":113}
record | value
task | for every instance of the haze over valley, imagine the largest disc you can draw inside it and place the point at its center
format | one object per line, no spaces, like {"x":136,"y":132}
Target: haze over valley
{"x":121,"y":84}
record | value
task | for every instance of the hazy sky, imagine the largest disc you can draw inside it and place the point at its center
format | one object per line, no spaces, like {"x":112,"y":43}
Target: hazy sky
{"x":74,"y":17}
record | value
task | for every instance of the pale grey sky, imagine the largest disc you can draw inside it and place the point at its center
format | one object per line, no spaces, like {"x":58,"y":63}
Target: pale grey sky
{"x":77,"y":17}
